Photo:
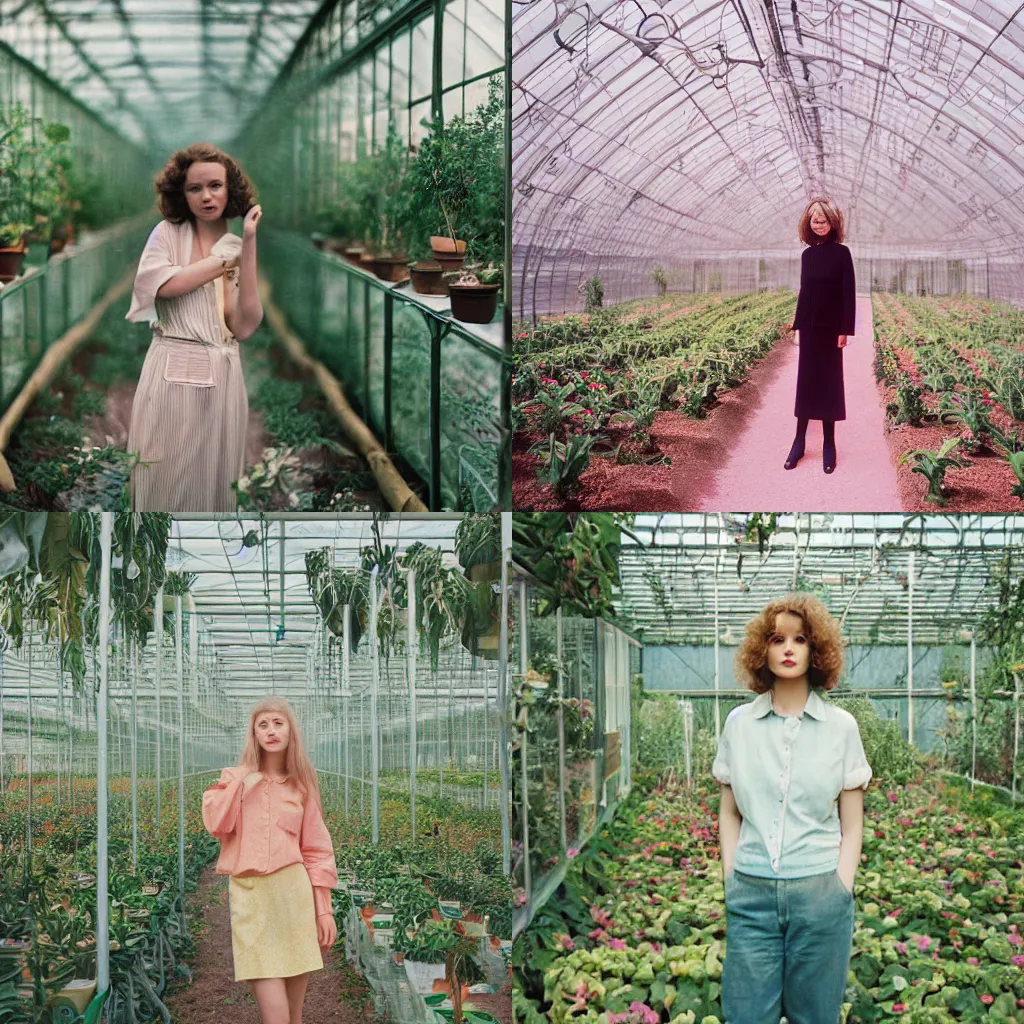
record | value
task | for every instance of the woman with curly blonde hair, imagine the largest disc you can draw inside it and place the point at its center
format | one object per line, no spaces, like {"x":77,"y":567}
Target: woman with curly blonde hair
{"x":196,"y":287}
{"x":274,"y":844}
{"x":793,"y":772}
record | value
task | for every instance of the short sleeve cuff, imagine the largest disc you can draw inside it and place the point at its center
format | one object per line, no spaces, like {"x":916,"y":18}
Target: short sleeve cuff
{"x":858,"y":778}
{"x":720,"y":773}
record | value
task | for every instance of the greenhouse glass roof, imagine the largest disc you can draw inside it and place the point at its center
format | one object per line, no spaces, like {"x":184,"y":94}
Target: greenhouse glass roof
{"x":886,"y":576}
{"x":164,"y":73}
{"x":257,"y":628}
{"x":644,"y":129}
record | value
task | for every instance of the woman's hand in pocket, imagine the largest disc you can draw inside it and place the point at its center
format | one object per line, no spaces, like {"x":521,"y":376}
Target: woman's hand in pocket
{"x":842,"y":340}
{"x":326,"y":931}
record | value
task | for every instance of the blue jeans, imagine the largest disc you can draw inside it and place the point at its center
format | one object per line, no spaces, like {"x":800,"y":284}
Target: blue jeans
{"x":787,"y":948}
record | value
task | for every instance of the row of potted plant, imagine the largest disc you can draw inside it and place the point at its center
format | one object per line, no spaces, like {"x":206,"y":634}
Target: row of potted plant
{"x":36,"y":187}
{"x":434,"y":217}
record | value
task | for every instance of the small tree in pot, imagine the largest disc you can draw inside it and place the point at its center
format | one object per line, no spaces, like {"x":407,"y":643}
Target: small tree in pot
{"x":389,"y":198}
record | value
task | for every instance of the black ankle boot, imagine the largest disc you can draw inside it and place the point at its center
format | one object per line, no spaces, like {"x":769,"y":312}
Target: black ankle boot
{"x":828,"y":456}
{"x":796,"y":453}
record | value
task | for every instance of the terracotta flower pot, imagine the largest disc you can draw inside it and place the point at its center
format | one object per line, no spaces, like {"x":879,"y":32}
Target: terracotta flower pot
{"x":391,"y":268}
{"x":450,"y":254}
{"x":474,"y":303}
{"x":352,"y":253}
{"x":427,"y":278}
{"x":11,"y":259}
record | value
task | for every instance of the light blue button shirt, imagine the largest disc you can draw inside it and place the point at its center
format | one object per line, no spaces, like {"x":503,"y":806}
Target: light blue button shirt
{"x":786,"y":773}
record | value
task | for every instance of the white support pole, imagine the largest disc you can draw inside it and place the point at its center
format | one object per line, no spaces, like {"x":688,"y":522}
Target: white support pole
{"x":102,"y":781}
{"x":524,"y":801}
{"x":974,"y":714}
{"x":135,"y":762}
{"x":503,"y":710}
{"x":31,"y":766}
{"x":1016,"y":732}
{"x":559,"y":654}
{"x":181,"y":748}
{"x":374,"y":690}
{"x":910,"y":648}
{"x":158,"y":633}
{"x":411,"y":645}
{"x":718,"y":681}
{"x":345,"y":684}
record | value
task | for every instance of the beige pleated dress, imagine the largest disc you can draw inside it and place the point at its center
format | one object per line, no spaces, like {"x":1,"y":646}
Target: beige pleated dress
{"x":191,"y":411}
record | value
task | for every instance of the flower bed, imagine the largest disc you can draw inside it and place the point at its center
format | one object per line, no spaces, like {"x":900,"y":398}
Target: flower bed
{"x":952,"y":369}
{"x":640,"y":934}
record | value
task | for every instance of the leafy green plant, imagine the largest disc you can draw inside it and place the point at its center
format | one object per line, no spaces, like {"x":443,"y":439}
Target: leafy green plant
{"x":972,"y":410}
{"x":389,"y":195}
{"x":563,"y":463}
{"x":456,"y":183}
{"x":660,"y":278}
{"x":909,"y":406}
{"x":594,"y":292}
{"x":1016,"y":463}
{"x":17,"y":159}
{"x":932,"y":465}
{"x":429,"y":944}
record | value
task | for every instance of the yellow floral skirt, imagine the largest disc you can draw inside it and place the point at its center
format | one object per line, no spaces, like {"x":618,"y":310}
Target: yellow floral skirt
{"x":273,"y":924}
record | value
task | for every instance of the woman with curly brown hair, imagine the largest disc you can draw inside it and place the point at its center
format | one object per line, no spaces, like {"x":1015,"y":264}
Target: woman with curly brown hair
{"x":792,"y":770}
{"x":826,"y":314}
{"x":196,"y":286}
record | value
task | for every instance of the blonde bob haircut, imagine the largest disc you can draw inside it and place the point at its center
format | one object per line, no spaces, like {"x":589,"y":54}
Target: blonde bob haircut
{"x":831,"y":213}
{"x":296,"y":762}
{"x":821,"y":630}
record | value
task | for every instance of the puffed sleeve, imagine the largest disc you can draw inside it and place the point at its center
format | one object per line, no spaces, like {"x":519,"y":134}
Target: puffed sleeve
{"x":318,"y":854}
{"x":801,"y":302}
{"x":222,"y":802}
{"x":721,"y":767}
{"x":155,"y":267}
{"x":856,"y":770}
{"x":849,"y":294}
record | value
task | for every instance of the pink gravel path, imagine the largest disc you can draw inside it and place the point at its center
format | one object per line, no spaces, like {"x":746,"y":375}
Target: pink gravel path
{"x":864,"y":479}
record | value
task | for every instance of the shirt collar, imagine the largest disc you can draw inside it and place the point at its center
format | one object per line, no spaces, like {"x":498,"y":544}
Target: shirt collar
{"x":815,"y":706}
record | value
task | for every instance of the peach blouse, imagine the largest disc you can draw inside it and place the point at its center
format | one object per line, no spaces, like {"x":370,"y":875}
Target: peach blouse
{"x":269,"y":829}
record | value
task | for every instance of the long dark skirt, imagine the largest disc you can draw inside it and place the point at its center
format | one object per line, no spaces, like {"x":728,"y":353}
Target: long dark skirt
{"x":819,"y":377}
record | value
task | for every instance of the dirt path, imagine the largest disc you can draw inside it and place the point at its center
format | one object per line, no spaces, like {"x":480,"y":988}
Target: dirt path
{"x":336,"y":995}
{"x":864,"y":478}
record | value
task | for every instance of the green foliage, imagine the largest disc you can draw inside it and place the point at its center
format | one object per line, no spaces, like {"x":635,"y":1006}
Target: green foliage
{"x":932,"y":465}
{"x":908,"y":407}
{"x":891,"y":757}
{"x":456,"y":183}
{"x":562,"y":463}
{"x":594,"y":291}
{"x":660,"y":278}
{"x":573,"y":557}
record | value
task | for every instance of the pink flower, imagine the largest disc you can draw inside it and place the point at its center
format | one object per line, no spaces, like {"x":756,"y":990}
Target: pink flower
{"x":1018,"y":960}
{"x":563,"y":942}
{"x":923,"y":943}
{"x":616,"y":943}
{"x":1014,"y":939}
{"x":898,"y":1007}
{"x":973,"y":960}
{"x":647,"y":1015}
{"x":893,"y":797}
{"x":901,"y":947}
{"x":572,"y":852}
{"x":986,"y":999}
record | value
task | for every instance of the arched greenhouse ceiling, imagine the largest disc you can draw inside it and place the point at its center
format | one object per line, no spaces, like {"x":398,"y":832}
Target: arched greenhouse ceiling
{"x":687,"y":127}
{"x":240,"y":606}
{"x":164,"y":73}
{"x":860,"y":564}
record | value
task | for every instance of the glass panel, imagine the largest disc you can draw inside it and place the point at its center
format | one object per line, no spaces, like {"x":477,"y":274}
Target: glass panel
{"x":410,"y":402}
{"x":422,"y":58}
{"x":454,"y":42}
{"x":376,"y":364}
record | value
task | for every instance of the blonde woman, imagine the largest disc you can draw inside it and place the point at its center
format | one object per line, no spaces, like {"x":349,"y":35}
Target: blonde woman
{"x":826,"y":314}
{"x":793,"y":773}
{"x":266,"y":812}
{"x":196,"y":287}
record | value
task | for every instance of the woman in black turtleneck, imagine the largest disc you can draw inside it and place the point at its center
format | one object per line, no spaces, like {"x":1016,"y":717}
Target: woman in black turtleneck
{"x":825,"y":315}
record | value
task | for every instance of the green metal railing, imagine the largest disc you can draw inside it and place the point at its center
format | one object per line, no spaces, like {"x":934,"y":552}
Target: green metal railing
{"x":37,"y":309}
{"x":428,"y":385}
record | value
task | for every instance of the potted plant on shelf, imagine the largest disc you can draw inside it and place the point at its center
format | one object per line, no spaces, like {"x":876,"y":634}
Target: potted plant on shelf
{"x":16,"y":215}
{"x":50,"y":195}
{"x":474,"y":292}
{"x":390,"y":166}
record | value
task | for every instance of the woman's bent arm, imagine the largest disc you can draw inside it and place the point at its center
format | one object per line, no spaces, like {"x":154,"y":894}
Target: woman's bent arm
{"x":189,"y":278}
{"x":249,"y":310}
{"x":729,"y":822}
